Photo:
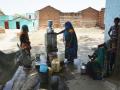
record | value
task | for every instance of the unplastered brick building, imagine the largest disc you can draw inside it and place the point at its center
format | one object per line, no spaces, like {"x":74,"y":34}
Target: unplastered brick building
{"x":101,"y":18}
{"x":48,"y":13}
{"x":88,"y":17}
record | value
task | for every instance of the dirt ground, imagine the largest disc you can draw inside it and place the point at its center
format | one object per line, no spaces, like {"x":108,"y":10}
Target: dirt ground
{"x":88,"y":38}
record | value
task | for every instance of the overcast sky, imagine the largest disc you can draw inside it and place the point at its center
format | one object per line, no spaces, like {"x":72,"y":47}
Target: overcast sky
{"x":25,"y":6}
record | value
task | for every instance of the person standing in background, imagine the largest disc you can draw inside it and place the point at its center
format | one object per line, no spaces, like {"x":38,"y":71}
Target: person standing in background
{"x":24,"y":39}
{"x":113,"y":34}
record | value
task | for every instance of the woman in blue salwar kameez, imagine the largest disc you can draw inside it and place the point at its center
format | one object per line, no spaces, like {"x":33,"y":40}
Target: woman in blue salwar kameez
{"x":71,"y":44}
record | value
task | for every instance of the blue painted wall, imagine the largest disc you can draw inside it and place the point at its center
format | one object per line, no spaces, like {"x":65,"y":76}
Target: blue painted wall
{"x":12,"y":24}
{"x":32,"y":23}
{"x":4,"y":18}
{"x":2,"y":24}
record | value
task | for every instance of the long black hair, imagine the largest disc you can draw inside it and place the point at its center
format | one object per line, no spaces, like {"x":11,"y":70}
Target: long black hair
{"x":25,"y":28}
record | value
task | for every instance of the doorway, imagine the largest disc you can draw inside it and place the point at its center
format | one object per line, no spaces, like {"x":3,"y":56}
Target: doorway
{"x":6,"y":25}
{"x":17,"y":25}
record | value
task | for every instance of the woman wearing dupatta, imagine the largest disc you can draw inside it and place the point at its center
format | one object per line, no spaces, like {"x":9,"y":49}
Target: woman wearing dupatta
{"x":71,"y":44}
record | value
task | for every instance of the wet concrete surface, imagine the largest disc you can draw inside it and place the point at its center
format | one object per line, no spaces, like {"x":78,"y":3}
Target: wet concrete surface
{"x":86,"y":83}
{"x":76,"y":81}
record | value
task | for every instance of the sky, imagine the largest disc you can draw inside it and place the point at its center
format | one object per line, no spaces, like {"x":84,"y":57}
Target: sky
{"x":11,"y":7}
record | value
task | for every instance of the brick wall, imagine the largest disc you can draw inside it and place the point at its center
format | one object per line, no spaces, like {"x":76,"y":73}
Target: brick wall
{"x":101,"y":18}
{"x":88,"y":17}
{"x":49,"y":13}
{"x":73,"y":17}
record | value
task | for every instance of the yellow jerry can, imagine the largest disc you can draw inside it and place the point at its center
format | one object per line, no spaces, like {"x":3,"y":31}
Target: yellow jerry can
{"x":55,"y":65}
{"x":50,"y":71}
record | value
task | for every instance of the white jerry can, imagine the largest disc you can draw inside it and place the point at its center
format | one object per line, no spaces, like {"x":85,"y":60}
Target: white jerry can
{"x":61,"y":56}
{"x":83,"y":68}
{"x":55,"y":65}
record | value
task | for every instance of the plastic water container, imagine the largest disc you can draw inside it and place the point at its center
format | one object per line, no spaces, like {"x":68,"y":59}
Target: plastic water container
{"x":50,"y":71}
{"x":83,"y":68}
{"x":55,"y":65}
{"x":43,"y":68}
{"x":43,"y":71}
{"x":77,"y":64}
{"x":43,"y":59}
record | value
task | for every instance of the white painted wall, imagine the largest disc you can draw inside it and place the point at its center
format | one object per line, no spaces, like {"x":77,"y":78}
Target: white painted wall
{"x":112,"y":10}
